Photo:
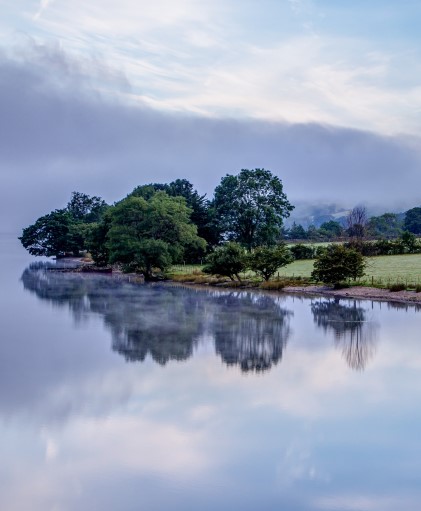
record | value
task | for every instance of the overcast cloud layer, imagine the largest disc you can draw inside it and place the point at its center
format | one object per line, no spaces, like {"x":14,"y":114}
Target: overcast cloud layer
{"x":102,"y":96}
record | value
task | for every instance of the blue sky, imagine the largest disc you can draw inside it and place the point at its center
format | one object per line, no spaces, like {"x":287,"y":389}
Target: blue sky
{"x":339,"y":67}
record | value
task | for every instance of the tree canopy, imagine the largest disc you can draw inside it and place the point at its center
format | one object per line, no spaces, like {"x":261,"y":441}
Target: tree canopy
{"x":201,"y":215}
{"x":250,"y":207}
{"x":64,"y":231}
{"x":50,"y":235}
{"x":151,"y":233}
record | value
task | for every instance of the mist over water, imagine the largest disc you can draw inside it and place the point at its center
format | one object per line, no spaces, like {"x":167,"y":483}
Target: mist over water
{"x":115,"y":395}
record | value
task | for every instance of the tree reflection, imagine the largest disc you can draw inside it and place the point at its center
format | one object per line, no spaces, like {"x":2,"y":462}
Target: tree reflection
{"x":250,"y":330}
{"x":166,"y":322}
{"x":353,"y":333}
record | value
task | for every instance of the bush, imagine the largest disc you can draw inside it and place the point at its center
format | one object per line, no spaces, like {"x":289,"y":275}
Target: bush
{"x":266,"y":260}
{"x":229,"y":260}
{"x":397,"y":287}
{"x":301,"y":251}
{"x":338,"y":264}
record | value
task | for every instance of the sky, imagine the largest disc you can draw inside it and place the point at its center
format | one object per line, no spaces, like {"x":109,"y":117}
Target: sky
{"x":102,"y":96}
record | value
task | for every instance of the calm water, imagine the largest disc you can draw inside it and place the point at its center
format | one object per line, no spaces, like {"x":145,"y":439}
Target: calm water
{"x":116,"y":396}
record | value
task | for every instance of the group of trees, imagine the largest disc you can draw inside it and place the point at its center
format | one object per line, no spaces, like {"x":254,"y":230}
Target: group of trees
{"x":358,"y":225}
{"x":231,"y":259}
{"x":64,"y":231}
{"x":240,"y":228}
{"x":158,"y":225}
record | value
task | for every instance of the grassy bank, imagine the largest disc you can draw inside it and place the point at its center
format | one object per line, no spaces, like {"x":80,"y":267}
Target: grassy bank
{"x":381,"y":271}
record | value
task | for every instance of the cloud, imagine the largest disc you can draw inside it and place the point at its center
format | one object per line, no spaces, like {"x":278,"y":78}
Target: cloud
{"x":294,"y":61}
{"x":60,"y":133}
{"x":42,"y":7}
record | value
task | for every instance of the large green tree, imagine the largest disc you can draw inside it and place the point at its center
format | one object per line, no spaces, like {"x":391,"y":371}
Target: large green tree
{"x":64,"y":231}
{"x":202,"y":213}
{"x":250,"y":207}
{"x":151,"y":233}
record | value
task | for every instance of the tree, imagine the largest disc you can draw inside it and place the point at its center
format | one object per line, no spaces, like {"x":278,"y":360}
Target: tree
{"x":331,"y":229}
{"x":84,"y":208}
{"x":265,"y":261}
{"x":148,"y":234}
{"x":338,"y":264}
{"x":357,"y":222}
{"x":250,"y":207}
{"x":229,"y":259}
{"x":388,"y":225}
{"x":297,"y":232}
{"x":201,"y":209}
{"x":52,"y":235}
{"x":409,"y":242}
{"x":97,"y":240}
{"x":412,"y":221}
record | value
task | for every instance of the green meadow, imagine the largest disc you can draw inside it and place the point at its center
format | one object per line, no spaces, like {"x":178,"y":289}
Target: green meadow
{"x":381,"y":270}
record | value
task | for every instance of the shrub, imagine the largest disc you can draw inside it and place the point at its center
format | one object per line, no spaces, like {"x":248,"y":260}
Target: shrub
{"x":266,"y":260}
{"x":301,"y":251}
{"x":337,"y":264}
{"x":397,"y":287}
{"x":229,"y":260}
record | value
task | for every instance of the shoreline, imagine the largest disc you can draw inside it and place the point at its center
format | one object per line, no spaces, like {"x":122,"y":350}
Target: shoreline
{"x":360,"y":293}
{"x":353,"y":292}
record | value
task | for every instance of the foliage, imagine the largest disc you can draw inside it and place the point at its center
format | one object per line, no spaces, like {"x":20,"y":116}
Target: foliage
{"x":412,"y":221}
{"x":387,"y":225}
{"x":296,"y":232}
{"x":338,"y":264}
{"x":145,"y":234}
{"x":265,"y":261}
{"x":229,"y":259}
{"x":202,"y":213}
{"x":250,"y":207}
{"x":84,"y":208}
{"x":400,"y":286}
{"x":409,"y":242}
{"x":97,"y":240}
{"x":51,"y":235}
{"x":330,"y":229}
{"x":64,"y":231}
{"x":301,"y":251}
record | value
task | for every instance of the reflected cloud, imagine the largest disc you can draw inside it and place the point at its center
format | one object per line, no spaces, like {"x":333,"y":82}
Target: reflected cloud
{"x":354,"y":334}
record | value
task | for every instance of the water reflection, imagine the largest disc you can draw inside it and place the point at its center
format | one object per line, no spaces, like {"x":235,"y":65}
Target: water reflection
{"x":167,"y":322}
{"x":250,"y":330}
{"x":354,"y":334}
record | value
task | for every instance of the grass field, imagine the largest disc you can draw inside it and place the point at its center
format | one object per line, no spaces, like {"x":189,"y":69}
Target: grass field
{"x":381,"y":270}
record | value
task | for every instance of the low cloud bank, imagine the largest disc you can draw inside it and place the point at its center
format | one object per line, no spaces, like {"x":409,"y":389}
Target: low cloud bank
{"x":60,"y":134}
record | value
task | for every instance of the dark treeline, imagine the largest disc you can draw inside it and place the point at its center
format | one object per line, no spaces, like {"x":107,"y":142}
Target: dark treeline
{"x":358,"y":224}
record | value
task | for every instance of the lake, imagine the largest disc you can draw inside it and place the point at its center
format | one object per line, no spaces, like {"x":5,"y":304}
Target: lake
{"x":121,"y":396}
